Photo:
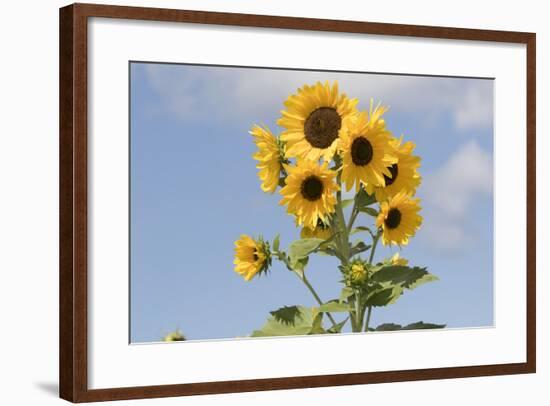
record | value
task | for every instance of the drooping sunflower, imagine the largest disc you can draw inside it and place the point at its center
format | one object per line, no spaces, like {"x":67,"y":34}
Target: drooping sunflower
{"x":322,"y":231}
{"x":399,"y":219}
{"x":251,"y":257}
{"x":366,"y":150}
{"x":309,"y":192}
{"x":314,"y":121}
{"x":404,"y":173}
{"x":270,"y":156}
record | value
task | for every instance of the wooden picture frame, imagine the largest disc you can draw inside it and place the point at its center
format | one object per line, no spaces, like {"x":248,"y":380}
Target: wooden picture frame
{"x":74,"y":201}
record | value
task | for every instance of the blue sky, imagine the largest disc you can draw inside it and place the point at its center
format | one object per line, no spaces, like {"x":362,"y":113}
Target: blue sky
{"x":194,"y":190}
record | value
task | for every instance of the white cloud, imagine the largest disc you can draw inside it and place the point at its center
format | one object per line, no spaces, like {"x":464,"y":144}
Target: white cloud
{"x":476,"y":109}
{"x":450,"y":194}
{"x":198,"y":92}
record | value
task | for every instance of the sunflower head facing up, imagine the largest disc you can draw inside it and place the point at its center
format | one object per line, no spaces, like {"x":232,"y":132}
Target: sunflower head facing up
{"x":366,"y":151}
{"x":404,"y":173}
{"x":309,"y":192}
{"x":322,"y":231}
{"x":252,"y":257}
{"x":314,"y":121}
{"x":270,"y":156}
{"x":399,"y":219}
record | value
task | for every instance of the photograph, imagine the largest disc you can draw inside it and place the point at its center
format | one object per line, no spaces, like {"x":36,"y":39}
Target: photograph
{"x":295,"y":202}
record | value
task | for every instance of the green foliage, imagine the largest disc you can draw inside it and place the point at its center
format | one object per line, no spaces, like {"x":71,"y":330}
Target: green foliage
{"x":332,"y":251}
{"x":388,"y":327}
{"x":383,"y":296}
{"x":369,"y":210}
{"x":338,"y":327}
{"x":346,"y":293}
{"x":317,"y":325}
{"x":306,"y":321}
{"x":359,"y":229}
{"x":302,"y":248}
{"x":286,"y":314}
{"x":362,"y":199}
{"x":346,"y":203}
{"x":276,"y":242}
{"x":358,"y":248}
{"x":419,"y":325}
{"x":400,"y":275}
{"x":334,"y":306}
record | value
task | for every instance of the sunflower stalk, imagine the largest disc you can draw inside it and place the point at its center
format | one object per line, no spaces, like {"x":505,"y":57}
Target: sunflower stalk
{"x":375,"y":239}
{"x":328,"y":144}
{"x":281,"y":256}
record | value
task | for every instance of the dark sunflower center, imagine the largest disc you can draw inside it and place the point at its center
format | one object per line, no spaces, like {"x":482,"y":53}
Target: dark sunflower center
{"x":312,"y":188}
{"x":322,"y":126}
{"x":255,"y":255}
{"x":394,"y":171}
{"x":361,"y":151}
{"x":393,"y":219}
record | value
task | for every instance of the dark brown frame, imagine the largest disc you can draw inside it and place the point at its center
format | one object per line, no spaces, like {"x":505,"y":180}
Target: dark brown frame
{"x":73,"y":331}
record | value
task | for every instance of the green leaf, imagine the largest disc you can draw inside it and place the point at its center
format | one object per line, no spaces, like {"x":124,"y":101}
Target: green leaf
{"x":302,"y":248}
{"x":276,"y":242}
{"x":332,"y":251}
{"x":370,"y":211}
{"x":384,"y":296}
{"x":317,"y":325}
{"x":420,"y":325}
{"x":362,"y":199}
{"x":358,"y":229}
{"x":303,"y":324}
{"x":358,"y":248}
{"x":299,"y":264}
{"x":413,"y":326}
{"x":346,"y":203}
{"x":388,"y":327}
{"x":286,"y":314}
{"x":346,"y":293}
{"x":335,"y":307}
{"x":338,"y":327}
{"x":401,"y":275}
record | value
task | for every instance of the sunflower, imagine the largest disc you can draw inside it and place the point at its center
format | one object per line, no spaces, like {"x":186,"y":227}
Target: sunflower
{"x":398,"y":260}
{"x":309,"y":192}
{"x":269,"y":156}
{"x":399,"y":219}
{"x":366,"y":151}
{"x":174,"y":336}
{"x":251,"y":257}
{"x":314,"y":121}
{"x":322,"y":231}
{"x":404,"y":173}
{"x":356,"y":271}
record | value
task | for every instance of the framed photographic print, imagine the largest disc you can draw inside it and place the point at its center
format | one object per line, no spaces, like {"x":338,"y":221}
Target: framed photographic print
{"x":255,"y":202}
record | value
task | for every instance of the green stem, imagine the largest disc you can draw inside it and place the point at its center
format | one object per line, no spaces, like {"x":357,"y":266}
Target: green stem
{"x":353,"y":216}
{"x":316,"y":296}
{"x":344,"y":235}
{"x":368,"y":319}
{"x":281,"y":256}
{"x":374,"y":243}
